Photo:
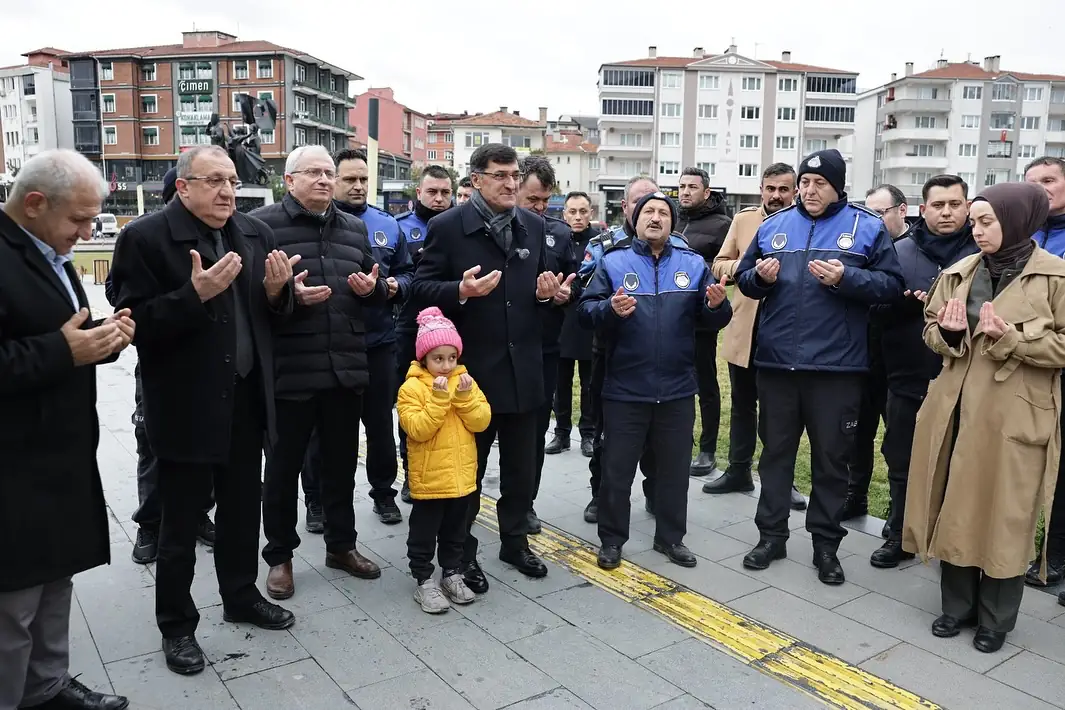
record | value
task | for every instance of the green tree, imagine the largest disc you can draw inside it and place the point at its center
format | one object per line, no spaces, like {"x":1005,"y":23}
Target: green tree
{"x":277,"y":185}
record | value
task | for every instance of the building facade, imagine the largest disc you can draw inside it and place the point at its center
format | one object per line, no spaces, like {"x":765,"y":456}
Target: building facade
{"x":400,"y":130}
{"x":135,"y":110}
{"x":576,"y":164}
{"x":971,"y":119}
{"x":34,"y":109}
{"x":510,"y":128}
{"x":728,"y":114}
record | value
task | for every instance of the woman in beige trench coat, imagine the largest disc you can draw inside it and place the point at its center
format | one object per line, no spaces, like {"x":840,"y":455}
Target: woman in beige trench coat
{"x":985,"y":451}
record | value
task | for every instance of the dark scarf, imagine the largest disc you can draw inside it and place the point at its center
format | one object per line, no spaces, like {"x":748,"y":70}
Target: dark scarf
{"x":1021,"y":209}
{"x":322,"y":217}
{"x":500,"y":224}
{"x":357,"y":210}
{"x":943,"y":249}
{"x":424,"y":213}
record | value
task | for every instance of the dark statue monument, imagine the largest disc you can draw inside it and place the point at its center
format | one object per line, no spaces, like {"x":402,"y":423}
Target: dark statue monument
{"x":241,"y":141}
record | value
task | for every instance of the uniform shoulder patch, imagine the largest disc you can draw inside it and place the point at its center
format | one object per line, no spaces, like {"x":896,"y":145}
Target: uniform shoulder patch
{"x":404,"y":215}
{"x":380,"y":238}
{"x":865,"y":209}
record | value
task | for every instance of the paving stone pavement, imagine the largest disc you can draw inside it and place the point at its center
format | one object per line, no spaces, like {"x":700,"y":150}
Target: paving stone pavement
{"x":550,"y":644}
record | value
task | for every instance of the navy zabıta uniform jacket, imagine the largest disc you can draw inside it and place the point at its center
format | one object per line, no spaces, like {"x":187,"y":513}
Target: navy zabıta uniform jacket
{"x":651,"y":354}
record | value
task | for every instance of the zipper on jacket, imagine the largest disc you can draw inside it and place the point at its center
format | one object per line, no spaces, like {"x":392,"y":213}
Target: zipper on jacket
{"x":658,"y":380}
{"x":802,"y":288}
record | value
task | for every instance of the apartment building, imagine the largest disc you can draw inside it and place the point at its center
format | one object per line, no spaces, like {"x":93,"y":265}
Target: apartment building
{"x":34,"y":109}
{"x":510,"y":128}
{"x":440,"y":146}
{"x":974,"y":119}
{"x":400,"y":129}
{"x":728,"y":114}
{"x":576,"y":163}
{"x":134,"y":110}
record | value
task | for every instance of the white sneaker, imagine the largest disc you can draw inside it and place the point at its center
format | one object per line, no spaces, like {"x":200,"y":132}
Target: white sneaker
{"x":430,"y":597}
{"x":455,"y":589}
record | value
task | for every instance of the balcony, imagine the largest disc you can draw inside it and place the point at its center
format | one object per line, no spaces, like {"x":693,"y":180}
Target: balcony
{"x":625,"y":119}
{"x":915,"y":134}
{"x":87,"y":116}
{"x":1056,"y":110}
{"x":626,"y":149}
{"x":1055,"y":136}
{"x":307,"y":86}
{"x":827,"y":127}
{"x":916,"y":162}
{"x":87,"y":146}
{"x":913,"y":106}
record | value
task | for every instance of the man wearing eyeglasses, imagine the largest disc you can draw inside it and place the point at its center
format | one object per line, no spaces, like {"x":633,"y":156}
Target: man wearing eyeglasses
{"x":207,"y":287}
{"x":322,"y":366}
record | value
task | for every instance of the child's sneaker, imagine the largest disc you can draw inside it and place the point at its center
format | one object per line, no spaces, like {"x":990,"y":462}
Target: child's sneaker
{"x":430,"y":597}
{"x":456,"y":590}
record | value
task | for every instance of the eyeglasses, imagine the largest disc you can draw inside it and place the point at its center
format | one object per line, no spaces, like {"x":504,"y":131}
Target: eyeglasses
{"x":216,"y":181}
{"x":317,"y":173}
{"x":887,"y":209}
{"x":503,"y":177}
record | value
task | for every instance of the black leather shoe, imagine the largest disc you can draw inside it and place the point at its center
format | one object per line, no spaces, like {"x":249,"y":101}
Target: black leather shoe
{"x":829,"y":570}
{"x":733,"y":480}
{"x":591,"y":511}
{"x":315,"y":518}
{"x":855,"y":506}
{"x":262,"y":614}
{"x":703,"y":464}
{"x":533,"y":526}
{"x":885,"y":532}
{"x":404,"y":494}
{"x":947,"y":626}
{"x":146,"y":548}
{"x":474,"y":578}
{"x":388,"y":512}
{"x":1055,"y":573}
{"x":183,"y":655}
{"x":798,"y":500}
{"x":1061,"y":599}
{"x":78,"y":697}
{"x":988,"y":641}
{"x":557,"y":445}
{"x":890,"y":555}
{"x":205,"y":532}
{"x":525,"y":561}
{"x":586,"y":447}
{"x":677,"y":554}
{"x":609,"y":557}
{"x":764,"y":553}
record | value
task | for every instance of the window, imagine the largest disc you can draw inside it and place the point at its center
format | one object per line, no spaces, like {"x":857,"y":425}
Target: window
{"x":669,"y":167}
{"x":110,"y":135}
{"x":788,"y":84}
{"x":514,"y":141}
{"x":815,"y":144}
{"x":240,"y":69}
{"x":264,"y":95}
{"x":109,"y":103}
{"x":628,"y":77}
{"x":878,"y":154}
{"x":1027,"y":151}
{"x":785,"y":113}
{"x":994,"y":177}
{"x":301,"y":136}
{"x":970,"y":121}
{"x":709,"y":82}
{"x":670,"y":110}
{"x":332,"y":82}
{"x":924,"y":121}
{"x":419,"y":122}
{"x":927,"y":92}
{"x":1004,"y":92}
{"x":450,"y":155}
{"x":751,"y":113}
{"x":967,"y":150}
{"x":204,"y":70}
{"x":194,"y":135}
{"x":999,"y":149}
{"x":475,"y":140}
{"x":972,"y":92}
{"x":1001,"y":121}
{"x":430,"y":155}
{"x":419,"y":143}
{"x":707,"y":110}
{"x":1033,"y":93}
{"x":264,"y":69}
{"x":301,"y":73}
{"x":749,"y":141}
{"x":1056,"y":124}
{"x":32,"y":136}
{"x":785,"y":142}
{"x":706,"y":140}
{"x":148,"y":72}
{"x":830,"y":114}
{"x":751,"y":83}
{"x":1029,"y":123}
{"x":107,"y":71}
{"x":628,"y":107}
{"x":748,"y":169}
{"x":920,"y":178}
{"x":630,"y":140}
{"x":830,"y":85}
{"x":1055,"y":151}
{"x":969,"y":178}
{"x":266,"y":137}
{"x":710,"y":168}
{"x":925,"y":150}
{"x":187,"y":70}
{"x":150,"y":135}
{"x":670,"y":80}
{"x":301,"y":104}
{"x":671,"y":140}
{"x":1057,"y":96}
{"x":149,"y":104}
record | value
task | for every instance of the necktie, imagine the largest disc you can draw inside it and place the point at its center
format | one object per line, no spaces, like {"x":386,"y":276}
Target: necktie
{"x":245,"y":346}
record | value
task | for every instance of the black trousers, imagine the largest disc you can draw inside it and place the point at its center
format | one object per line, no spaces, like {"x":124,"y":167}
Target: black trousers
{"x":898,"y":441}
{"x":335,"y":414}
{"x":825,"y":405}
{"x":517,"y":435}
{"x":377,"y":402}
{"x":743,"y":424}
{"x":543,"y":420}
{"x":709,"y":389}
{"x":873,"y":406}
{"x":437,"y":526}
{"x":563,"y":398}
{"x":182,"y":489}
{"x":668,"y":426}
{"x":405,"y":353}
{"x":970,"y":594}
{"x":1055,"y":534}
{"x":595,"y":463}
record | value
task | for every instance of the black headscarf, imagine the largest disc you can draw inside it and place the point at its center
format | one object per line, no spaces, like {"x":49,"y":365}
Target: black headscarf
{"x":1021,"y":209}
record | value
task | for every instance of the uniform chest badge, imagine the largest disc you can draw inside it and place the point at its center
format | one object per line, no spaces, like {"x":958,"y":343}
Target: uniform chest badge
{"x":379,"y":238}
{"x":845,"y":241}
{"x":682,"y":279}
{"x":550,"y":241}
{"x":415,"y":234}
{"x":779,"y":240}
{"x":631,"y":282}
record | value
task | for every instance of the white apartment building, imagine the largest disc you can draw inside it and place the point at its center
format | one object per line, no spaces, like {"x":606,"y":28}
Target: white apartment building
{"x":523,"y":134}
{"x":971,"y":119}
{"x":576,"y":164}
{"x":728,"y":114}
{"x":31,"y":97}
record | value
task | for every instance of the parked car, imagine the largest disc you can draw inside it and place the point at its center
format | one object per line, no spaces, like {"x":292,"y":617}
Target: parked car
{"x":105,"y":225}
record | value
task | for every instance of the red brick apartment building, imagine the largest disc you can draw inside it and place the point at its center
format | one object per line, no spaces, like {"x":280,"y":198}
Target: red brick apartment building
{"x":401,"y":130}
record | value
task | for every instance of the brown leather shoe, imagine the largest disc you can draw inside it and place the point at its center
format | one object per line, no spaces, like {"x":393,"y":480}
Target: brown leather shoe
{"x":279,"y":584}
{"x":353,"y":563}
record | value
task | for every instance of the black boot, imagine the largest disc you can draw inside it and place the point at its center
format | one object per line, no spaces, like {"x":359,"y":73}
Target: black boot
{"x":703,"y":464}
{"x":591,"y":511}
{"x":890,"y":555}
{"x":1055,"y":572}
{"x":315,"y":518}
{"x":404,"y":494}
{"x":798,"y":500}
{"x":735,"y":479}
{"x":559,"y":443}
{"x":855,"y":506}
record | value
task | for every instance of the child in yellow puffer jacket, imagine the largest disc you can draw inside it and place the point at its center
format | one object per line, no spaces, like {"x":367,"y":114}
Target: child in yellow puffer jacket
{"x":440,"y":408}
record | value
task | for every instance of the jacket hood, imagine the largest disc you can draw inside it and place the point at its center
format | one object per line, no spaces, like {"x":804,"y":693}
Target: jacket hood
{"x":417,"y":371}
{"x":715,"y":204}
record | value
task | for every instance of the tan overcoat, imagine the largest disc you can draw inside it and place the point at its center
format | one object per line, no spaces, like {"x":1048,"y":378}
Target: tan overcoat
{"x":736,"y":342}
{"x":976,"y":504}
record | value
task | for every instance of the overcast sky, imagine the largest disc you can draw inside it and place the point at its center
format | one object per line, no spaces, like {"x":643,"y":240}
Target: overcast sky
{"x":525,"y":55}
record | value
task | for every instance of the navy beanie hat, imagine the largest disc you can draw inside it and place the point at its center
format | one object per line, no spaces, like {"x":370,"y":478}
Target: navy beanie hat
{"x":655,"y":196}
{"x":169,"y":184}
{"x":830,"y":165}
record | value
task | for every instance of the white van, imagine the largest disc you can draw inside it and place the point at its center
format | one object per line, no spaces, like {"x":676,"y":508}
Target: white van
{"x":105,"y":225}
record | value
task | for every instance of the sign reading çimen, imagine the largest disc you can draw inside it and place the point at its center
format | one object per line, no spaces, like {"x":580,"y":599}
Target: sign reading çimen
{"x":196,"y":86}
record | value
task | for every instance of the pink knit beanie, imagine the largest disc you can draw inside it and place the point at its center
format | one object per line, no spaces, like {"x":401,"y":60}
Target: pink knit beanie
{"x":435,"y":330}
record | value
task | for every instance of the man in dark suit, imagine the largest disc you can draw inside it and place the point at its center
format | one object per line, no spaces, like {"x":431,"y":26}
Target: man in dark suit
{"x":206,"y":284}
{"x":485,"y":266}
{"x":53,"y":519}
